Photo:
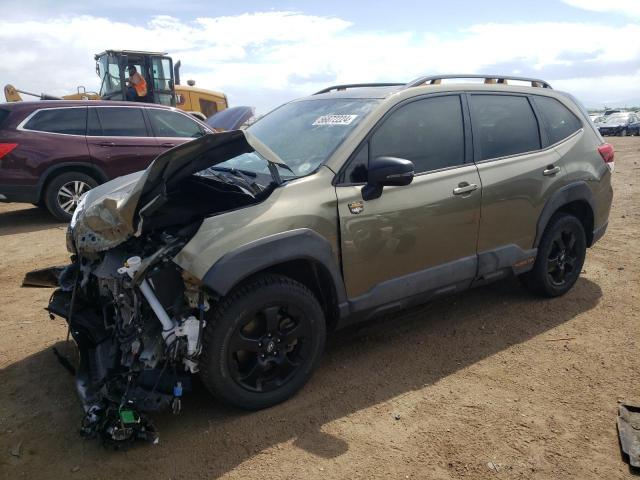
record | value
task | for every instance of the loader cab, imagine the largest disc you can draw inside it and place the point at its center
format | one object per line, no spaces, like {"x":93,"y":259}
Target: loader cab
{"x":156,"y":68}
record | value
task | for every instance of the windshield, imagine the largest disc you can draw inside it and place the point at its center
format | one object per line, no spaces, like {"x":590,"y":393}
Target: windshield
{"x":616,"y":119}
{"x":304,"y":134}
{"x":109,"y":73}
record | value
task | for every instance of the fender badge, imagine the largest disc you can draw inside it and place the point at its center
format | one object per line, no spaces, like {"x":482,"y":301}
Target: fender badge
{"x":356,"y":207}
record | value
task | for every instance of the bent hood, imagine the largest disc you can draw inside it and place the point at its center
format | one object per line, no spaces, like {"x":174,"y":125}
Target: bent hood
{"x":111,"y":213}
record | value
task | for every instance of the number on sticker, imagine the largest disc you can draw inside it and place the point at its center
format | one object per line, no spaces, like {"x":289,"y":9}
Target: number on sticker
{"x":335,"y":120}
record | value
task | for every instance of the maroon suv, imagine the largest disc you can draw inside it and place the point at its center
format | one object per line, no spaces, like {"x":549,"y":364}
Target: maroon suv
{"x":52,"y":152}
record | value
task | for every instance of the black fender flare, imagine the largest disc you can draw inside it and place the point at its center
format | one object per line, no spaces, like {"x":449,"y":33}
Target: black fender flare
{"x":575,"y":191}
{"x":269,"y":251}
{"x":53,"y":170}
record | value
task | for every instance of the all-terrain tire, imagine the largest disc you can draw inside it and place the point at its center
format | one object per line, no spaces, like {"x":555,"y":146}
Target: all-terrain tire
{"x":244,"y":307}
{"x":560,"y":257}
{"x":66,"y":187}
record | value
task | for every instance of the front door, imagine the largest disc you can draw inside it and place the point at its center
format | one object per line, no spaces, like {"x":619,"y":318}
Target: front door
{"x":421,"y":237}
{"x":119,"y":140}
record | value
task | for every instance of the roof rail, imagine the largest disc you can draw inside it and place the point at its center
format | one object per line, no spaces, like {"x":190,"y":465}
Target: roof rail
{"x":358,"y":85}
{"x":490,"y":79}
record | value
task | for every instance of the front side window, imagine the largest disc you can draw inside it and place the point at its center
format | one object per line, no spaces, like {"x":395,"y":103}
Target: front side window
{"x":70,"y":121}
{"x":166,"y":123}
{"x":503,"y":125}
{"x":118,"y":122}
{"x":558,"y":120}
{"x":428,"y":132}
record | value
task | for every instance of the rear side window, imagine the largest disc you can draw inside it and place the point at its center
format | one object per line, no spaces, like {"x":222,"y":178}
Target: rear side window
{"x":70,"y":121}
{"x":557,"y":119}
{"x":117,"y":122}
{"x":503,"y":125}
{"x":166,"y":123}
{"x":428,"y":132}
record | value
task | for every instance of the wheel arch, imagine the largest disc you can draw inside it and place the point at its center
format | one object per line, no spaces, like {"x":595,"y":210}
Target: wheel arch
{"x":301,"y":254}
{"x":575,"y":199}
{"x":82,"y":167}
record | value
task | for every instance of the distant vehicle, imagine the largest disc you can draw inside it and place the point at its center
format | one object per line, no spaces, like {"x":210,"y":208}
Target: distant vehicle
{"x":621,"y":124}
{"x":51,"y":153}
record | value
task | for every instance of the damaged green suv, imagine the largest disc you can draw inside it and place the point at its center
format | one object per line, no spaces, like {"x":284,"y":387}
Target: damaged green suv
{"x":233,"y":255}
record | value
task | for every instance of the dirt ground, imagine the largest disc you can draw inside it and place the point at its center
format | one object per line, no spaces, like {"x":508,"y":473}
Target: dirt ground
{"x":493,"y":383}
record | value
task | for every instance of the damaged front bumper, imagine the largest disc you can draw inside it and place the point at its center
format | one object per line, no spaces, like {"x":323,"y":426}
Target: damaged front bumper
{"x":138,"y":327}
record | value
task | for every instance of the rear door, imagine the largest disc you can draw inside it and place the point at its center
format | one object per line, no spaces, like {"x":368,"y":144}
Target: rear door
{"x":172,"y":128}
{"x":517,"y":174}
{"x":421,"y":237}
{"x":120,"y":142}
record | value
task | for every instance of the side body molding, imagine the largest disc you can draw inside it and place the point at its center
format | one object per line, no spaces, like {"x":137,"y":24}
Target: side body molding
{"x":572,"y":192}
{"x":298,"y":244}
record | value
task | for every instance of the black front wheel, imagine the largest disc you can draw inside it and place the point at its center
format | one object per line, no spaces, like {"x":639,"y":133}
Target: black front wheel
{"x":263,"y":342}
{"x":561,"y":254}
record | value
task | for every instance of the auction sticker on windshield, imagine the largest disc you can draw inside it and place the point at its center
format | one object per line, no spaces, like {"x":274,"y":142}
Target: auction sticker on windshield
{"x":335,"y":120}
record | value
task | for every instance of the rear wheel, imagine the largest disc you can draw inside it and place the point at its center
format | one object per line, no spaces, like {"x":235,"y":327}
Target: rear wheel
{"x":561,"y":254}
{"x":263,"y":342}
{"x":623,"y":132}
{"x":63,"y":193}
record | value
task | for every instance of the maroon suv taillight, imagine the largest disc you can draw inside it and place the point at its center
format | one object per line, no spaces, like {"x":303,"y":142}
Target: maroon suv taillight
{"x":607,"y":152}
{"x":5,"y":148}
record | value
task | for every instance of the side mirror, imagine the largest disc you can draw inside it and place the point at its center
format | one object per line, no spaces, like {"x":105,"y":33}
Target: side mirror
{"x":387,"y":172}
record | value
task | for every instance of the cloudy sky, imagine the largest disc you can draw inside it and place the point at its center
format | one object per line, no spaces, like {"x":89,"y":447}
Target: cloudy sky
{"x":264,"y":53}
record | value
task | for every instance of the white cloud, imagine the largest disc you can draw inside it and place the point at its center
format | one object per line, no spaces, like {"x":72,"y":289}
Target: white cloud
{"x":625,"y":7}
{"x":271,"y":56}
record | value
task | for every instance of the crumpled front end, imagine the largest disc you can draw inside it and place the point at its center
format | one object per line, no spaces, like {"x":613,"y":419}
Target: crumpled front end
{"x":137,"y":317}
{"x":138,"y":326}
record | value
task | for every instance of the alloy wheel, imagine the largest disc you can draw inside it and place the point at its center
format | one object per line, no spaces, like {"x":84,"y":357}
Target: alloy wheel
{"x":563,"y":257}
{"x":269,"y":348}
{"x":70,"y":193}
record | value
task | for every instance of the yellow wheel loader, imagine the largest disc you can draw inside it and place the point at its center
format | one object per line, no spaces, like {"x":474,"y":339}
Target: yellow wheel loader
{"x":161,"y":75}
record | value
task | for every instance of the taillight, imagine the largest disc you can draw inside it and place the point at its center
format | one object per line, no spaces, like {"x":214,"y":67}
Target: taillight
{"x":607,"y":153}
{"x":5,"y":148}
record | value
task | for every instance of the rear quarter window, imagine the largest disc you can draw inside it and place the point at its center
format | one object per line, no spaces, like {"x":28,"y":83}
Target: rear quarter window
{"x":4,"y":114}
{"x":69,"y":121}
{"x":558,"y":120}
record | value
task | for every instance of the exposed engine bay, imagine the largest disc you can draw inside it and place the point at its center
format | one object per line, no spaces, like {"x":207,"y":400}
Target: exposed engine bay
{"x":138,"y":318}
{"x":138,"y":327}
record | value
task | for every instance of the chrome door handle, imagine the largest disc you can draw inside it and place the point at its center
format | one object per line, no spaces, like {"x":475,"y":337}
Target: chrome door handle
{"x":107,"y":144}
{"x":171,"y":145}
{"x":550,"y":170}
{"x":464,"y":187}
